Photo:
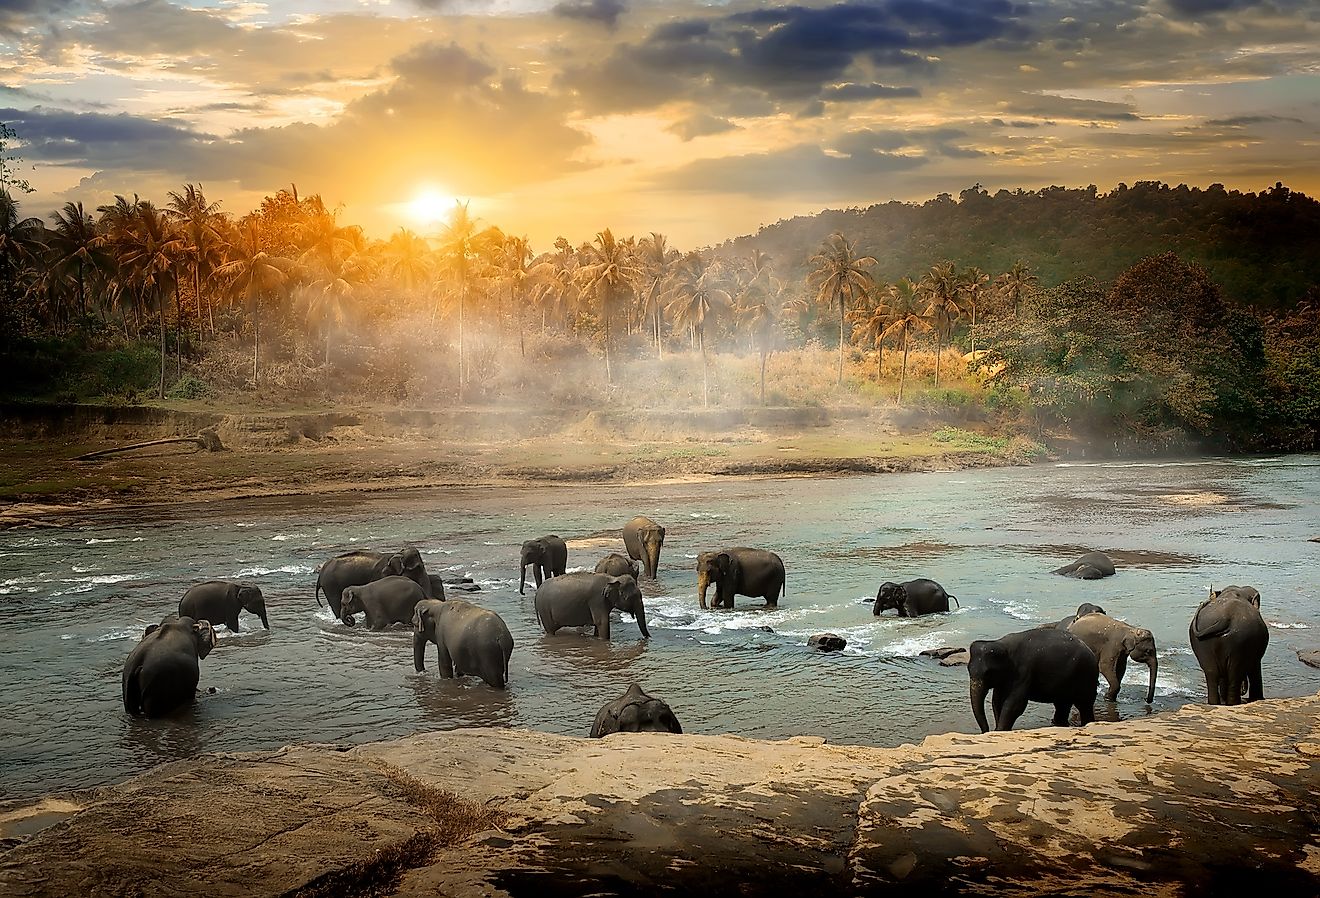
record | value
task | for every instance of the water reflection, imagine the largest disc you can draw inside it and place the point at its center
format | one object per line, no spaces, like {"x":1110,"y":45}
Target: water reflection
{"x":466,"y":701}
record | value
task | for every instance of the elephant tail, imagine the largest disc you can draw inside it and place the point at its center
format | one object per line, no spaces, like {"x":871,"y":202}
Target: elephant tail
{"x":1216,"y":627}
{"x":317,"y":592}
{"x":955,"y":601}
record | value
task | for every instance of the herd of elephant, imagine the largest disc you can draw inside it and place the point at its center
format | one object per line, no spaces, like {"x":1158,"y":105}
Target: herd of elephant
{"x":1058,"y":663}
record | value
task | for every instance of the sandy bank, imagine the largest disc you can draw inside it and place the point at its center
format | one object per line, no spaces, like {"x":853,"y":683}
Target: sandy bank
{"x":1203,"y":801}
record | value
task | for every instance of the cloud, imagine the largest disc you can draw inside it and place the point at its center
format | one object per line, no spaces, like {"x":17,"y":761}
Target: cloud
{"x":602,"y":12}
{"x":700,"y":124}
{"x":842,"y":93}
{"x":1239,"y":121}
{"x":1194,"y":9}
{"x":97,"y":139}
{"x":1070,"y":108}
{"x":17,"y":15}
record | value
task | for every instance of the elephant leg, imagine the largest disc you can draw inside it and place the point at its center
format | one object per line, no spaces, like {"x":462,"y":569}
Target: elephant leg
{"x":1086,"y":710}
{"x":232,"y":624}
{"x":1061,"y":710}
{"x":997,"y":697}
{"x":603,"y":626}
{"x":446,"y":660}
{"x":1212,"y":689}
{"x":1232,"y":683}
{"x":1114,"y":674}
{"x":1014,"y":705}
{"x":536,"y":572}
{"x":1255,"y":684}
{"x":772,"y":597}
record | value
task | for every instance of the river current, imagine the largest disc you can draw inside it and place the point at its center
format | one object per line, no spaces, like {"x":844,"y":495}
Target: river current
{"x":76,"y":599}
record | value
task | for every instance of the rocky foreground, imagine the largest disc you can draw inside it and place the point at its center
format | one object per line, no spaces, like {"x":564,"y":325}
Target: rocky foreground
{"x":1199,"y":802}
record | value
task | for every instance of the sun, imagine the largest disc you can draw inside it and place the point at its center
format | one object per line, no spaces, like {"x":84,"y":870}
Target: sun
{"x":431,"y":205}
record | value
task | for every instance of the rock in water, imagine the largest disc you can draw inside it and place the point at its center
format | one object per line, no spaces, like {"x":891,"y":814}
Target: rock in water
{"x":956,"y":659}
{"x":941,"y":653}
{"x":827,"y":642}
{"x":1310,"y":659}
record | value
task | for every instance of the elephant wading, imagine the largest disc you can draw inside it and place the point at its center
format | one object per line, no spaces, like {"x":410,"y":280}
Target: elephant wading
{"x":470,"y":640}
{"x":635,"y":712}
{"x":616,"y":565}
{"x":362,"y":566}
{"x":1113,"y":642}
{"x":576,"y":600}
{"x":740,"y":571}
{"x":161,"y":672}
{"x":1040,"y":665}
{"x":219,"y":601}
{"x":390,"y":600}
{"x":548,"y":557}
{"x":643,"y":537}
{"x":1082,"y":610}
{"x":1229,"y":638}
{"x":1091,"y":566}
{"x":912,"y":598}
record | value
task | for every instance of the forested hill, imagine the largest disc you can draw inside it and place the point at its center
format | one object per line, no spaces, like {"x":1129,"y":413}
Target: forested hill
{"x":1262,"y":249}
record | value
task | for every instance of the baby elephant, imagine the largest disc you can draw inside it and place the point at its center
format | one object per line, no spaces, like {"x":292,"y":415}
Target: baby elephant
{"x":220,"y":601}
{"x":635,"y":712}
{"x":1113,"y":642}
{"x":616,"y":565}
{"x":390,"y":600}
{"x":470,"y":639}
{"x":161,"y":672}
{"x":913,"y":598}
{"x":1091,"y":566}
{"x":1040,"y":665}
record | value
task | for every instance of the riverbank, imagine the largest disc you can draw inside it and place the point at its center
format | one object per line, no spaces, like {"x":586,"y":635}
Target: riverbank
{"x":314,"y":453}
{"x":1201,"y":801}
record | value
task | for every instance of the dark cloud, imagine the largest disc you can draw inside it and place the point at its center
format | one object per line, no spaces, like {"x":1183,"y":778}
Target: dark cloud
{"x":946,"y":141}
{"x":1198,"y":8}
{"x":1071,"y":108}
{"x":873,"y":91}
{"x":100,"y":140}
{"x":701,"y":124}
{"x":1239,"y":121}
{"x":802,"y":170}
{"x":604,"y":12}
{"x":18,"y":15}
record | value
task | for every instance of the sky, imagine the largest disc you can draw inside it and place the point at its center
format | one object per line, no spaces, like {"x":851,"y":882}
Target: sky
{"x":701,"y":121}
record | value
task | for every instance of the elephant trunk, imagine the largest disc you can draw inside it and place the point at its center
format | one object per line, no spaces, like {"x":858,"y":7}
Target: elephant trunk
{"x":348,"y":619}
{"x":1154,"y":665}
{"x":652,"y":551}
{"x":419,"y":651}
{"x":522,"y":579}
{"x":703,"y":581}
{"x":978,"y":703}
{"x":640,"y":614}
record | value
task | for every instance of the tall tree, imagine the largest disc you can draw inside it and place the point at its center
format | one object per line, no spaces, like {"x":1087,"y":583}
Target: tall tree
{"x":903,"y":301}
{"x":694,"y":295}
{"x":940,"y":287}
{"x":840,"y":276}
{"x":252,"y":273}
{"x":513,"y":261}
{"x":972,"y":291}
{"x":331,"y":291}
{"x":198,"y":220}
{"x":869,"y":324}
{"x":150,"y":253}
{"x":610,"y":269}
{"x":1016,"y":283}
{"x":461,"y":249}
{"x":77,"y":248}
{"x":20,"y":241}
{"x":657,"y":262}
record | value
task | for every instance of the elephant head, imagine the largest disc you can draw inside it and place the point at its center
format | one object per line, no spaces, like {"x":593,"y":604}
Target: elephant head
{"x":1247,"y":594}
{"x":536,"y":553}
{"x":1087,"y":608}
{"x":251,"y":599}
{"x":988,"y":664}
{"x":719,"y":568}
{"x":426,"y":616}
{"x":204,"y":636}
{"x":652,"y":539}
{"x":349,"y":604}
{"x":891,"y":595}
{"x":407,"y":562}
{"x":635,"y":712}
{"x":1139,"y":643}
{"x":624,"y":594}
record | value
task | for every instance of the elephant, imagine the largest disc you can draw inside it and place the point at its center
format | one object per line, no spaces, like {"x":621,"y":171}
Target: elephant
{"x":220,"y":601}
{"x":1113,"y":642}
{"x":548,"y":557}
{"x":470,"y":640}
{"x":362,"y":566}
{"x":1040,"y":665}
{"x":1082,"y":610}
{"x":635,"y":712}
{"x":616,"y":565}
{"x":437,"y":587}
{"x":390,"y":600}
{"x":576,"y":600}
{"x":740,"y":571}
{"x":1091,"y":566}
{"x":912,"y":598}
{"x":1229,"y":638}
{"x":161,"y":672}
{"x":643,"y":537}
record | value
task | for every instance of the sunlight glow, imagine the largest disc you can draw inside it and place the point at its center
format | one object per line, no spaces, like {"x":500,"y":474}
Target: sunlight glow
{"x":431,"y":206}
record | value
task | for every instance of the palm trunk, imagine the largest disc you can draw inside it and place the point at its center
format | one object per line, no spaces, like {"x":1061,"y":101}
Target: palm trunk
{"x":605,"y":313}
{"x":939,"y":348}
{"x":879,"y":360}
{"x":973,"y":333}
{"x":902,"y":377}
{"x":462,"y":309}
{"x":763,"y":355}
{"x":82,"y":294}
{"x":256,"y":337}
{"x":522,"y":346}
{"x":160,"y":305}
{"x":705,"y":380}
{"x":840,"y":338}
{"x":659,"y":344}
{"x":178,"y":330}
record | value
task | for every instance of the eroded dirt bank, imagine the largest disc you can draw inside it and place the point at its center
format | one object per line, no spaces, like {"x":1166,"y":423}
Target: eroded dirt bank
{"x":1205,"y":801}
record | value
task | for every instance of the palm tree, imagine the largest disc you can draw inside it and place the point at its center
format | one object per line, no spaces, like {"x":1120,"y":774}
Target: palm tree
{"x":150,"y":252}
{"x":974,"y":282}
{"x":252,"y":273}
{"x":694,"y":295}
{"x":77,"y":247}
{"x":759,"y":313}
{"x":513,"y":262}
{"x":198,"y":220}
{"x":20,"y":240}
{"x":611,"y":268}
{"x":1016,"y":283}
{"x":556,"y":288}
{"x":117,"y":224}
{"x":407,"y":260}
{"x":940,"y":288}
{"x":332,"y":290}
{"x":657,"y":262}
{"x":869,"y":324}
{"x":903,"y":302}
{"x":840,"y":275}
{"x":461,"y":247}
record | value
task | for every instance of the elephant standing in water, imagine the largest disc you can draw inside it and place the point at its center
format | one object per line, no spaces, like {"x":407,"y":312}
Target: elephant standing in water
{"x":1040,"y":665}
{"x":1082,"y":610}
{"x":643,"y":537}
{"x":1113,"y":642}
{"x":1091,"y":566}
{"x":162,"y":671}
{"x":220,"y":602}
{"x":469,"y":639}
{"x":548,"y":556}
{"x":635,"y":712}
{"x":576,"y":600}
{"x":912,"y":598}
{"x":616,"y":565}
{"x":1229,"y":638}
{"x":740,"y":571}
{"x":390,"y":600}
{"x":362,"y":566}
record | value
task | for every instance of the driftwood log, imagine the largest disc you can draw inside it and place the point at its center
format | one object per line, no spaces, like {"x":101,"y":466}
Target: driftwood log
{"x":206,"y":439}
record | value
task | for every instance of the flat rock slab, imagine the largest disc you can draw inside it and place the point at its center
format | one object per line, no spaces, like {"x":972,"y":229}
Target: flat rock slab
{"x":1196,"y":802}
{"x":1309,"y":658}
{"x":957,"y":659}
{"x":941,"y":653}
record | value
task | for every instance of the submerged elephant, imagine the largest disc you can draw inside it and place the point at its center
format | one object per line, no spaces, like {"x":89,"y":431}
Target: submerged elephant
{"x":740,"y":571}
{"x":576,"y":600}
{"x":1091,"y":566}
{"x":635,"y":712}
{"x":643,"y":537}
{"x":912,"y":598}
{"x":390,"y":600}
{"x":548,"y":556}
{"x":1040,"y":665}
{"x":362,"y":566}
{"x":162,"y":671}
{"x":1082,"y":610}
{"x":470,"y":640}
{"x":220,"y":601}
{"x":616,"y":565}
{"x":1229,"y":638}
{"x":1113,"y":642}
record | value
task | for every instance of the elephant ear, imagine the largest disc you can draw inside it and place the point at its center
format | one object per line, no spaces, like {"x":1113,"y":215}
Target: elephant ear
{"x":724,"y":561}
{"x":603,"y":724}
{"x":612,"y":593}
{"x":395,"y":566}
{"x":204,"y":633}
{"x":151,"y":628}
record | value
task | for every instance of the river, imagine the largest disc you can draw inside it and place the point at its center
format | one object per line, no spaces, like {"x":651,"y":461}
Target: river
{"x":76,"y":599}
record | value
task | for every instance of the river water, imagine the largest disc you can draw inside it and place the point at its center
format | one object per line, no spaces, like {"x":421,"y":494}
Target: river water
{"x":76,"y":599}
